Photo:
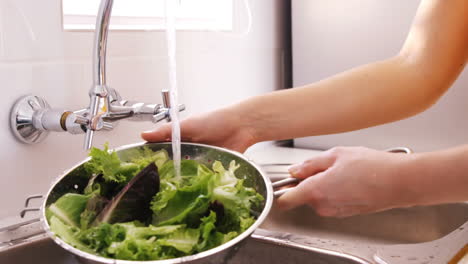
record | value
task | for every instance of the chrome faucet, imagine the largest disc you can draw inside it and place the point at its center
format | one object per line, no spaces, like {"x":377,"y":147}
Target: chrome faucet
{"x":32,"y":118}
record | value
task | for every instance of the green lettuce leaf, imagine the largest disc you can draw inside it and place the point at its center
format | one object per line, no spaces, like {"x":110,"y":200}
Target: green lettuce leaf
{"x":106,"y":163}
{"x":101,"y":237}
{"x":237,"y":199}
{"x":67,"y":233}
{"x":68,"y":208}
{"x":145,"y":156}
{"x":183,"y":240}
{"x":148,"y":242}
{"x":185,"y":200}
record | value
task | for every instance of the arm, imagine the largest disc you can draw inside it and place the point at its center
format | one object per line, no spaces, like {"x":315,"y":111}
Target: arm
{"x":437,"y":177}
{"x":430,"y":60}
{"x":432,"y":57}
{"x":350,"y":181}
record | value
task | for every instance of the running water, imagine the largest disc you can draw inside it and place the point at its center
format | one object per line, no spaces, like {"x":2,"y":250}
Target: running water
{"x":171,"y":7}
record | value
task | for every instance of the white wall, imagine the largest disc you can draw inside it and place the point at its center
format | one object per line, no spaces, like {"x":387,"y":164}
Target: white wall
{"x":336,"y":35}
{"x":37,"y":57}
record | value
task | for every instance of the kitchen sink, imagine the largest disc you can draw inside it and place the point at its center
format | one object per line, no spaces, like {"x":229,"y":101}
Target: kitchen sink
{"x":431,"y":234}
{"x":397,"y":226}
{"x":45,"y":251}
{"x":416,"y":235}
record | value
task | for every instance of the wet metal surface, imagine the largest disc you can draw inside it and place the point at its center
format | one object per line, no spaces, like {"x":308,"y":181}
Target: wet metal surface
{"x":397,"y":226}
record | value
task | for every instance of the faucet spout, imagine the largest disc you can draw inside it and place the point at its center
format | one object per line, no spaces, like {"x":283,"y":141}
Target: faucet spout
{"x":100,"y":42}
{"x":99,"y":100}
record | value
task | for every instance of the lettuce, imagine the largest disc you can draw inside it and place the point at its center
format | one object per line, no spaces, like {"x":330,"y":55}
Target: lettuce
{"x":68,"y":208}
{"x":107,"y":164}
{"x":124,"y":214}
{"x":183,"y":200}
{"x":132,"y":202}
{"x":183,"y":240}
{"x":69,"y":234}
{"x":95,"y":204}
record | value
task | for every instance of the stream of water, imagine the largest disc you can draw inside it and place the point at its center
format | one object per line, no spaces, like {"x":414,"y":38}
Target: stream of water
{"x":171,"y":7}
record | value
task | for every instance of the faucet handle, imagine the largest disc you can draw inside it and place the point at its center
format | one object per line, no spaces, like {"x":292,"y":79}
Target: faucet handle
{"x":163,"y":112}
{"x":98,"y":106}
{"x":166,"y":96}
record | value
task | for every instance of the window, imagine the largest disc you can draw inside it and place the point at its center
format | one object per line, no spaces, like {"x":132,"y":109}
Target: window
{"x":150,"y":14}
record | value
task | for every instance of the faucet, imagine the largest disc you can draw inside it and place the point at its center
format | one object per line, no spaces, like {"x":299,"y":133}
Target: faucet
{"x":31,"y":117}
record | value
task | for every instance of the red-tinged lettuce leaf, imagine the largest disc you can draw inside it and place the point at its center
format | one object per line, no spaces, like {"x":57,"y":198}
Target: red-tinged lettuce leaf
{"x":133,"y":201}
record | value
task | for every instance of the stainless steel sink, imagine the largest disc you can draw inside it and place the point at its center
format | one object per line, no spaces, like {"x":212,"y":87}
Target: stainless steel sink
{"x":45,"y":251}
{"x":397,"y":226}
{"x":431,"y":234}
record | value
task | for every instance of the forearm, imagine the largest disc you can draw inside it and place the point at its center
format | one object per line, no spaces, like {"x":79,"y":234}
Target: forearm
{"x":431,"y":58}
{"x":366,"y":96}
{"x":436,"y":177}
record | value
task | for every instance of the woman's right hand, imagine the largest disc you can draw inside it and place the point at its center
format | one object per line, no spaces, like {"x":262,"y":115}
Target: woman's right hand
{"x":223,"y":128}
{"x":346,"y":181}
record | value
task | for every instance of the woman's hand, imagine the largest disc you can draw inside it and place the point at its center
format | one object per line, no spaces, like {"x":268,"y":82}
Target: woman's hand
{"x":223,"y":127}
{"x":347,"y":181}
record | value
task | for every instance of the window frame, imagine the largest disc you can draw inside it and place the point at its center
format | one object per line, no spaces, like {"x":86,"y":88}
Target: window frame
{"x":219,"y":18}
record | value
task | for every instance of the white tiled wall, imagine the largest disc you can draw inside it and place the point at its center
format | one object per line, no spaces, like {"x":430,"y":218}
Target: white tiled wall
{"x":37,"y":57}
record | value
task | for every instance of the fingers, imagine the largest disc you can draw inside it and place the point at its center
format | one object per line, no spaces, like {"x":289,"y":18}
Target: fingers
{"x":312,"y":166}
{"x":163,"y":133}
{"x":304,"y":193}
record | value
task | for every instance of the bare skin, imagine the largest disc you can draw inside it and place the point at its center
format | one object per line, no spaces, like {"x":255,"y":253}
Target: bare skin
{"x":349,"y":181}
{"x":357,"y":180}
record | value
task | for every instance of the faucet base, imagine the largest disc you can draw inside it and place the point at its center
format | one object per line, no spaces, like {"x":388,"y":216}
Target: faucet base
{"x":22,"y":121}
